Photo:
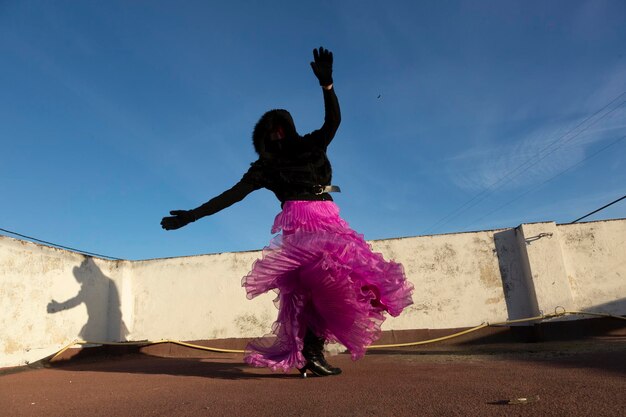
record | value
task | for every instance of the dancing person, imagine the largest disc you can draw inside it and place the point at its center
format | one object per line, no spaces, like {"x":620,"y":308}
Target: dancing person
{"x":331,"y":286}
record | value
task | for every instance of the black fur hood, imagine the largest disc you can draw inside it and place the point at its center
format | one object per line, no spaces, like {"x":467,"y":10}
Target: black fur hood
{"x":267,"y":124}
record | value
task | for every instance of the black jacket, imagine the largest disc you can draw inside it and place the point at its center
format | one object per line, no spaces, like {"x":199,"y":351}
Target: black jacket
{"x":292,"y":168}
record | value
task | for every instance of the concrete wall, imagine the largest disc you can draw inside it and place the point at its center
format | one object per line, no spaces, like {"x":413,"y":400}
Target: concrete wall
{"x":198,"y":297}
{"x":50,"y":297}
{"x":594,"y":255}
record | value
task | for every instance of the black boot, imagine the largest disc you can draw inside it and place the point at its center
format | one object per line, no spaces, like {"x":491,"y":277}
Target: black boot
{"x":315,"y":361}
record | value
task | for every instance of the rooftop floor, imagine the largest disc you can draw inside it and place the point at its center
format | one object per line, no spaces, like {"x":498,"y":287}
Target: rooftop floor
{"x":579,"y":378}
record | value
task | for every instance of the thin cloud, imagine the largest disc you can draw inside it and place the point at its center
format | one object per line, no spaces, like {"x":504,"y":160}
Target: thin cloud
{"x":535,"y":156}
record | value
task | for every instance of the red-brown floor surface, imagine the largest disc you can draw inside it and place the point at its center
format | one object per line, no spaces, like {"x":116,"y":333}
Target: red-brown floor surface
{"x":557,"y":379}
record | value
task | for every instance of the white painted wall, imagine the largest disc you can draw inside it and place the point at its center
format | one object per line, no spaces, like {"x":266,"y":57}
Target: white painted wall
{"x":456,"y":277}
{"x":31,"y":277}
{"x":198,"y":297}
{"x":595,"y":260}
{"x":460,"y":280}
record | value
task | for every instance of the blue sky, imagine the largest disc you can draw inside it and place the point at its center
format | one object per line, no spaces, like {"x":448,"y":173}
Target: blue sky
{"x":457,"y":116}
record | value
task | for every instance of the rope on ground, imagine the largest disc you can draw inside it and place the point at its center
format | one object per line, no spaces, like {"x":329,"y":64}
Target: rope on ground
{"x":145,"y":343}
{"x":424,"y":342}
{"x":558,"y":312}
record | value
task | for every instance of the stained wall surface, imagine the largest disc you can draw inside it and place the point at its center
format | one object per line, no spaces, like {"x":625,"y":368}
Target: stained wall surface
{"x":50,"y":297}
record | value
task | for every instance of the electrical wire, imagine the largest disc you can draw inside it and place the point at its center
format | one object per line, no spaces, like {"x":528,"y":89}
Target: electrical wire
{"x":485,"y":193}
{"x":597,"y":210}
{"x":528,"y":164}
{"x":519,"y":196}
{"x":56,"y":245}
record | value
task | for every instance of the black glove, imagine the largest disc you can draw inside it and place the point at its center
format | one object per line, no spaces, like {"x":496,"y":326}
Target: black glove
{"x":178,"y":219}
{"x":323,"y":66}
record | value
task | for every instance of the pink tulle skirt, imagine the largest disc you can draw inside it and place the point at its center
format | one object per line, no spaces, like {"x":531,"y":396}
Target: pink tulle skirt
{"x":328,"y":280}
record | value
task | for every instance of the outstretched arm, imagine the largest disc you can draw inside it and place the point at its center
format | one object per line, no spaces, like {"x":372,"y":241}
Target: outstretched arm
{"x":54,"y":306}
{"x":180,"y":218}
{"x":322,"y":66}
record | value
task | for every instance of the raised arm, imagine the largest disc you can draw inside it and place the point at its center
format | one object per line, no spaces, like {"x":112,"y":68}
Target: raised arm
{"x":322,"y":66}
{"x":238,"y":192}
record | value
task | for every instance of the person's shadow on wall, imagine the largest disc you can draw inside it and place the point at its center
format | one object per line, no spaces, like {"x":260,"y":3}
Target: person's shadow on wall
{"x":101,"y":297}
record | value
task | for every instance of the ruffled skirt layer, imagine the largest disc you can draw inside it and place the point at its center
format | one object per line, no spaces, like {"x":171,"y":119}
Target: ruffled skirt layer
{"x":328,"y":280}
